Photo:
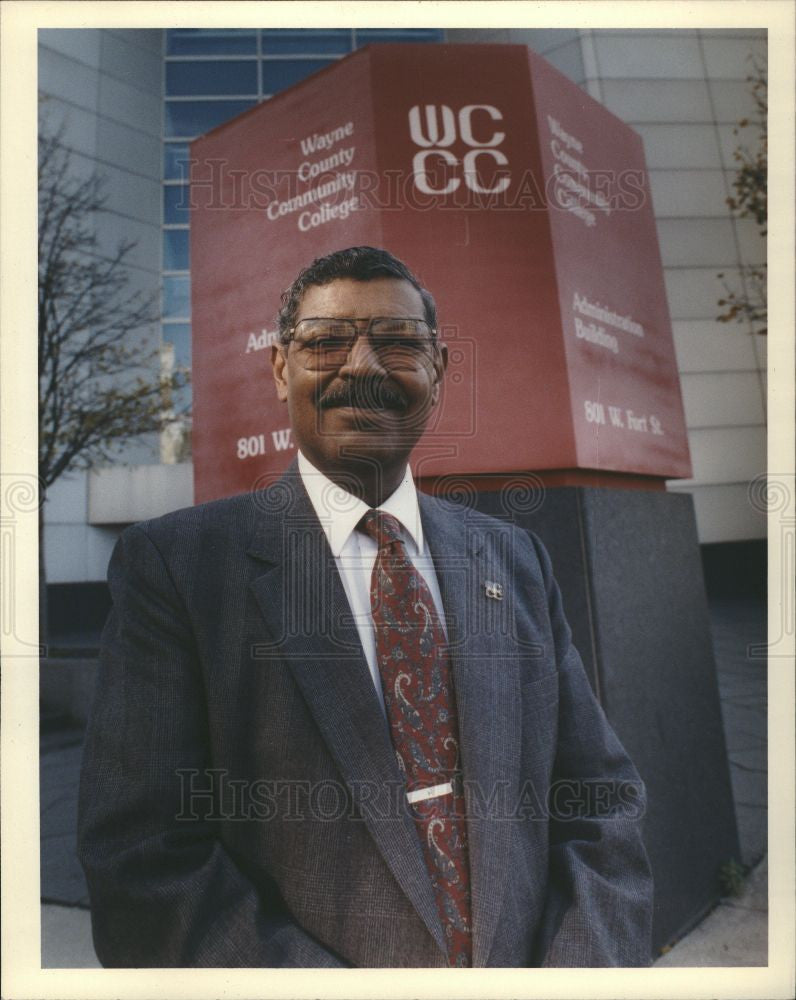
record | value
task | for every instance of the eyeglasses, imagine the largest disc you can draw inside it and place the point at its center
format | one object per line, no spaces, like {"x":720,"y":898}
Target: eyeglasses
{"x":400,"y":342}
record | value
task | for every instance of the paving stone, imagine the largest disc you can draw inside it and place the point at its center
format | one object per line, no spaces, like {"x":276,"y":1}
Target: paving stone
{"x":734,"y":934}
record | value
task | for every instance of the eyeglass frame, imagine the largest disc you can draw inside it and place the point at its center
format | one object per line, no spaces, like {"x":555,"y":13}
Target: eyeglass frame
{"x":432,"y":339}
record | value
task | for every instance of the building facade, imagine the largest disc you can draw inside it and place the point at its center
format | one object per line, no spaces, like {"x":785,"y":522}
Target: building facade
{"x":131,"y":100}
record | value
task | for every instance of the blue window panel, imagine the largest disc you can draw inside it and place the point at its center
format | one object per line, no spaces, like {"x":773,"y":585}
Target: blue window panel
{"x":281,"y":73}
{"x":228,"y":76}
{"x":175,"y":161}
{"x":369,"y":36}
{"x":181,"y":399}
{"x":192,"y":118}
{"x":176,"y":204}
{"x":177,"y":296}
{"x":176,"y":252}
{"x":284,"y":41}
{"x":210,"y":42}
{"x":179,"y":334}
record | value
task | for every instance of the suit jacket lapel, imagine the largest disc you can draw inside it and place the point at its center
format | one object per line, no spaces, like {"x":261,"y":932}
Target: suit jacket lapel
{"x":302,"y":600}
{"x":486,"y":677}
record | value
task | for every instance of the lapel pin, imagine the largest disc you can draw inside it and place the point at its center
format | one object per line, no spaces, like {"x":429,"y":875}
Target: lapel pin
{"x":493,"y":590}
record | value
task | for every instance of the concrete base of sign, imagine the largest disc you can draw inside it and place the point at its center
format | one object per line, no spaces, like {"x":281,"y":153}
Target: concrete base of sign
{"x":629,"y":568}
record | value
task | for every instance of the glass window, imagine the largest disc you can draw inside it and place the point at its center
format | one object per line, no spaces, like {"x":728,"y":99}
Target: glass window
{"x":283,"y":41}
{"x":177,"y":296}
{"x":175,"y":161}
{"x":176,"y":252}
{"x":281,"y":73}
{"x":227,"y":76}
{"x":179,"y":334}
{"x":193,"y":118}
{"x":176,"y":204}
{"x":210,"y":41}
{"x":367,"y":36}
{"x":181,"y":399}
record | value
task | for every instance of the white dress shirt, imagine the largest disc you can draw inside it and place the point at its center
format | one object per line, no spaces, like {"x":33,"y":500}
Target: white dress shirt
{"x":355,"y":552}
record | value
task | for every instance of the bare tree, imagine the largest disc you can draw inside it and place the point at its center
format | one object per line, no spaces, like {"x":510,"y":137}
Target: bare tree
{"x":101,"y":383}
{"x":749,"y":303}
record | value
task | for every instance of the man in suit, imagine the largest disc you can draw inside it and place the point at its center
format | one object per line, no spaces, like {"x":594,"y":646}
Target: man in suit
{"x":341,"y":723}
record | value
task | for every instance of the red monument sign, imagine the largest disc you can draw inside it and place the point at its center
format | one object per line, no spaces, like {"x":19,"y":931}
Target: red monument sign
{"x":520,"y":202}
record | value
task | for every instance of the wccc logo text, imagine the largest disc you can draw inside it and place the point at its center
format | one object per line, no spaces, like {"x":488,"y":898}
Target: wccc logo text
{"x":436,"y":129}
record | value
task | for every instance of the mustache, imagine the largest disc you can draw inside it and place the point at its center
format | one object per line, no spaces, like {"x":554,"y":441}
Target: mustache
{"x":363,"y":394}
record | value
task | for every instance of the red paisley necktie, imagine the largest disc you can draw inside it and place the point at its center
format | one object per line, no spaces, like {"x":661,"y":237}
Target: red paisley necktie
{"x":418,"y":695}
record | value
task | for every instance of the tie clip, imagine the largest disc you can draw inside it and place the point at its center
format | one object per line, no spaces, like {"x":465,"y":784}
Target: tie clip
{"x":493,"y":590}
{"x":421,"y":794}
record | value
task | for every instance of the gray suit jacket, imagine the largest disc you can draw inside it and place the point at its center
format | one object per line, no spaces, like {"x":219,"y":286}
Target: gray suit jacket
{"x":240,"y":801}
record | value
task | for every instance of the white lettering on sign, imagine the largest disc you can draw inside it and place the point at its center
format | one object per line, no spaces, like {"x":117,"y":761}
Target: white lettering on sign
{"x":434,"y":135}
{"x":310,"y":169}
{"x":622,"y":418}
{"x":575,"y":188}
{"x":316,"y":143}
{"x":311,"y":220}
{"x":281,"y":439}
{"x":255,"y":444}
{"x":331,"y":192}
{"x":343,"y":181}
{"x":595,"y":335}
{"x":436,"y":131}
{"x":259,"y":341}
{"x":595,"y":332}
{"x":250,"y":447}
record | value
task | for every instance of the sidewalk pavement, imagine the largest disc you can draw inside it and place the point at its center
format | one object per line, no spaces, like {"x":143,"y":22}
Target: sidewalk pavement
{"x":734,"y":933}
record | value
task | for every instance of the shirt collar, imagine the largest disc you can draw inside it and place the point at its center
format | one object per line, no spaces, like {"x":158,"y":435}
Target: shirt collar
{"x":339,"y":511}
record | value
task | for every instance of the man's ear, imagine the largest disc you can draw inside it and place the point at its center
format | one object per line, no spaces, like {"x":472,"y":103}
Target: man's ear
{"x":278,"y":364}
{"x":440,"y":364}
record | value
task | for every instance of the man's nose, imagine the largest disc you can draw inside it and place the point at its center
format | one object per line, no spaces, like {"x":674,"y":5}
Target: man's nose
{"x":362,"y":357}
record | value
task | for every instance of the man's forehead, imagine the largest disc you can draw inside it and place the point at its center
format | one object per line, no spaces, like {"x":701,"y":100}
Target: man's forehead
{"x":349,"y":297}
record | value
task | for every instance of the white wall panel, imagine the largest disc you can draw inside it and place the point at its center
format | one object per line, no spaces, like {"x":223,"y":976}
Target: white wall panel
{"x":665,"y":101}
{"x":751,"y":244}
{"x":148,"y":39}
{"x":99,"y":548}
{"x":67,"y":500}
{"x":727,"y":454}
{"x":731,"y":100}
{"x":68,"y":80}
{"x":135,"y":494}
{"x":707,"y":345}
{"x":729,"y":58}
{"x":666,"y":56}
{"x":680,"y":146}
{"x":82,"y":44}
{"x":722,"y":399}
{"x":678,"y":193}
{"x":568,"y":59}
{"x":133,"y":195}
{"x":146,"y":252}
{"x":729,"y":141}
{"x":697,"y":242}
{"x":544,"y":40}
{"x":138,"y":108}
{"x":724,"y":513}
{"x":137,"y":65}
{"x":129,"y":148}
{"x":78,"y":127}
{"x":66,"y":552}
{"x":693,"y":293}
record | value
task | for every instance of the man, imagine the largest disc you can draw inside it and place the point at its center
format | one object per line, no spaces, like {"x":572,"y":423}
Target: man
{"x":340,"y":723}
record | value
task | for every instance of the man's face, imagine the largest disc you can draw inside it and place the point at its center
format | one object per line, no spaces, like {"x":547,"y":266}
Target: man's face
{"x":362,"y":414}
